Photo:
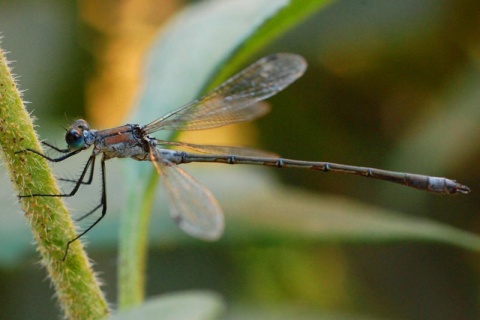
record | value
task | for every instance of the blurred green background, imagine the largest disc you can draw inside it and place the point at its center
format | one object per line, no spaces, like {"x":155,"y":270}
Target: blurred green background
{"x":390,"y":84}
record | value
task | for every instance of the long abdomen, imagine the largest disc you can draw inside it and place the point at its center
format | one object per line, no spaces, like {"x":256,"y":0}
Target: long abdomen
{"x":436,"y":185}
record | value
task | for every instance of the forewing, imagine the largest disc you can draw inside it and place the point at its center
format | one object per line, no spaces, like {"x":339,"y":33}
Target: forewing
{"x":214,"y":149}
{"x":236,"y":100}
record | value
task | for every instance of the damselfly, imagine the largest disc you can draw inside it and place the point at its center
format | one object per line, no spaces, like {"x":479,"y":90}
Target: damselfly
{"x":238,"y":99}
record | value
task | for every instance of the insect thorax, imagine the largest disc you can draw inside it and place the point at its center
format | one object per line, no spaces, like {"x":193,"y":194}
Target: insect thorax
{"x":122,"y":142}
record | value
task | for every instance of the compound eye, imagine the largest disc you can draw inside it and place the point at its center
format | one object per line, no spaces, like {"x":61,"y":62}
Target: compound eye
{"x":74,"y":139}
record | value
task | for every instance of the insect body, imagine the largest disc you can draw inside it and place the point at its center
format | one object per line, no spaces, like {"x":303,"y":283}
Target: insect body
{"x":238,"y":99}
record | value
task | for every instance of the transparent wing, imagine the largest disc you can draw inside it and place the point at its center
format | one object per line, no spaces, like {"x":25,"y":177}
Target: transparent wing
{"x":192,"y":206}
{"x":236,"y":100}
{"x":214,"y":149}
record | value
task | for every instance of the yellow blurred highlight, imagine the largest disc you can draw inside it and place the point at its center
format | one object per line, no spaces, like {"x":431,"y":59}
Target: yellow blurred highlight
{"x":235,"y":135}
{"x":123,"y":31}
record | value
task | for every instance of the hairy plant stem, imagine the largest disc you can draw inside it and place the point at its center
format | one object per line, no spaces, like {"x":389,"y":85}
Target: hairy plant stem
{"x":76,"y":286}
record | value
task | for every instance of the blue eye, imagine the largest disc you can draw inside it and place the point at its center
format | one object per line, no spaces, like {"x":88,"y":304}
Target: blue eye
{"x":74,"y":139}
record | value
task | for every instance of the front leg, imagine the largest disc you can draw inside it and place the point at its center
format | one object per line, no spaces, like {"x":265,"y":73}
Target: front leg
{"x":55,"y":148}
{"x":61,"y":158}
{"x":68,"y":155}
{"x":90,"y":162}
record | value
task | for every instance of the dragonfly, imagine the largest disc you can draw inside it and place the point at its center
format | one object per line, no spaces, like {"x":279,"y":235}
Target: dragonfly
{"x":239,"y":99}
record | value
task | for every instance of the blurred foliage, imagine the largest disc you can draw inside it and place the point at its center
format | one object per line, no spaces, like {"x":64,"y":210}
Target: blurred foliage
{"x":390,"y":84}
{"x":186,"y":305}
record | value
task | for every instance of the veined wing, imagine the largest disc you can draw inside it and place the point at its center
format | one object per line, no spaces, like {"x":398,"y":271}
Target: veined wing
{"x":236,"y":100}
{"x":214,"y":149}
{"x":192,"y":206}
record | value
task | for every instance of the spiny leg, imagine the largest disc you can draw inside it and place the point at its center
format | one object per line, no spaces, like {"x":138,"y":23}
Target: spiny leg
{"x":103,"y":204}
{"x":63,"y":151}
{"x":90,"y":178}
{"x":75,"y":188}
{"x":61,"y":158}
{"x":55,"y":148}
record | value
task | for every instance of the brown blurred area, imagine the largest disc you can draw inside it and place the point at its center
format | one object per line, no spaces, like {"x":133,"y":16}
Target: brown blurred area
{"x":117,"y":34}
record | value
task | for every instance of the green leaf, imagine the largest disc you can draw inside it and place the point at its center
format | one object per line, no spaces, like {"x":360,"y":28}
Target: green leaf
{"x":193,"y":46}
{"x":281,"y":214}
{"x":297,"y":10}
{"x":182,"y":61}
{"x":193,"y":305}
{"x":277,"y":214}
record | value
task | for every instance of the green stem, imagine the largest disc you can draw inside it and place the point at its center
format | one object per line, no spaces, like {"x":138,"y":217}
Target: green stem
{"x":133,"y":249}
{"x":76,"y":287}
